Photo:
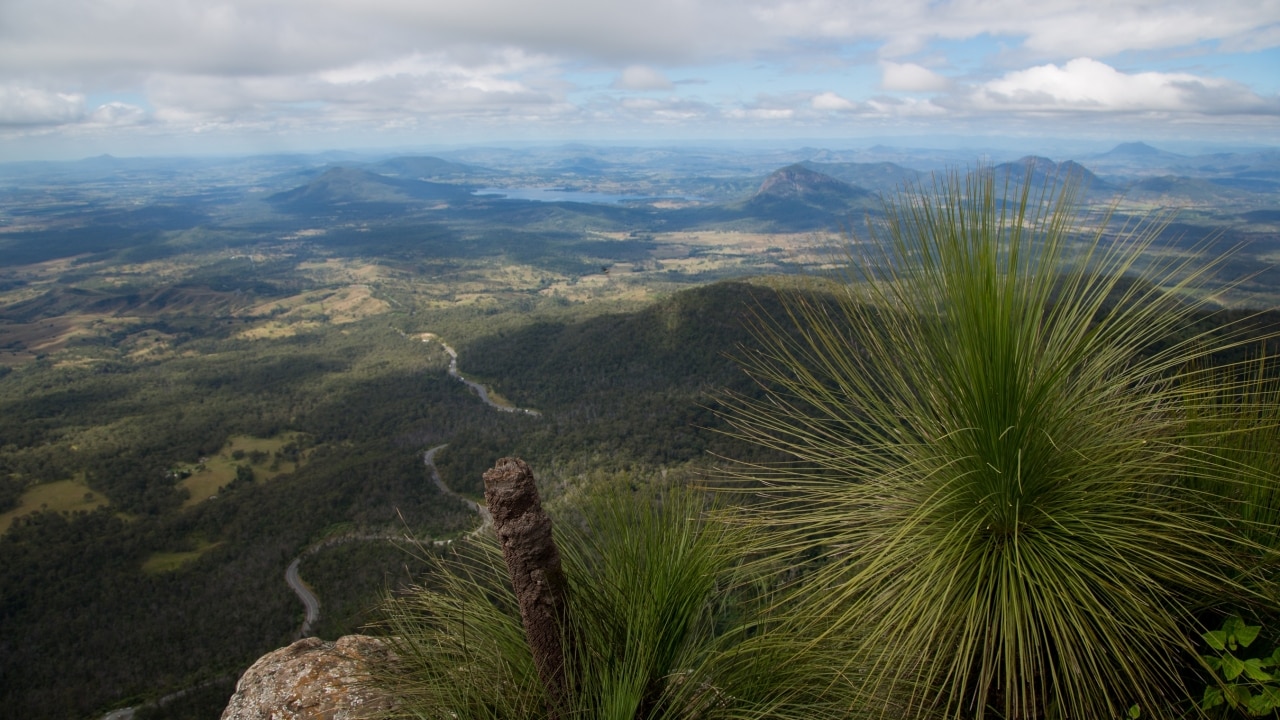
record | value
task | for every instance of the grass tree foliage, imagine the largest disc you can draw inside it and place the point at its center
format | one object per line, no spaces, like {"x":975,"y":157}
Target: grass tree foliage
{"x":997,"y":461}
{"x":665,"y":623}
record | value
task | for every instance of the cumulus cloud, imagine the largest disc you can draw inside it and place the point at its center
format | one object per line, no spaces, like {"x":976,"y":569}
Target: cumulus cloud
{"x":642,"y":77}
{"x":647,"y":110}
{"x":117,"y":114}
{"x":894,"y":107}
{"x":761,"y":113}
{"x":33,"y":106}
{"x":1048,"y":28}
{"x":909,"y":77}
{"x":493,"y":75}
{"x":375,"y":63}
{"x":831,"y":101}
{"x":398,"y":90}
{"x":1084,"y":84}
{"x":300,"y":36}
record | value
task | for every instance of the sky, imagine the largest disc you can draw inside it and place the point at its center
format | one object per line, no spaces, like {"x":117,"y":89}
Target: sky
{"x":157,"y":77}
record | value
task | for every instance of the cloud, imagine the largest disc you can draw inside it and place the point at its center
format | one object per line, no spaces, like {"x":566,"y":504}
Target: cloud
{"x":249,"y":37}
{"x":647,"y":110}
{"x":761,"y":113}
{"x":258,"y":37}
{"x":1047,"y":28}
{"x":1068,"y":29}
{"x":909,"y":77}
{"x":33,"y":106}
{"x":117,"y":114}
{"x":641,"y":77}
{"x":1084,"y":84}
{"x":903,"y":108}
{"x":831,"y":101}
{"x":355,"y":64}
{"x":396,"y":91}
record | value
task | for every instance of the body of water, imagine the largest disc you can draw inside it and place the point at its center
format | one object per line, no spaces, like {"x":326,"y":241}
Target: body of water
{"x":552,"y":194}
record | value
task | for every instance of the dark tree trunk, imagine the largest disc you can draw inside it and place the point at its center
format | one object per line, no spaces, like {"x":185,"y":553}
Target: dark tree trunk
{"x":524,"y":531}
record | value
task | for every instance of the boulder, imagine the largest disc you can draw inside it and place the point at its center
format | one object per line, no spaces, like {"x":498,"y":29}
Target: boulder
{"x":314,"y":680}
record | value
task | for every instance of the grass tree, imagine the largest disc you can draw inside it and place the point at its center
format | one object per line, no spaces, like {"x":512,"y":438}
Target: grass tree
{"x":664,"y":623}
{"x":991,"y":458}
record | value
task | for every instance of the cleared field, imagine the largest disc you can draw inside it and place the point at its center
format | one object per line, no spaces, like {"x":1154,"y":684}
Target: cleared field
{"x":337,"y":271}
{"x":289,"y":316}
{"x":59,"y":496}
{"x":170,"y":561}
{"x":71,"y":317}
{"x":215,"y":472}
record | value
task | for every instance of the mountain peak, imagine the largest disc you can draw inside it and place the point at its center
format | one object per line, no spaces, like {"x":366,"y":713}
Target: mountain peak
{"x":795,"y":181}
{"x":1133,"y":149}
{"x":1042,"y":170}
{"x":342,"y":185}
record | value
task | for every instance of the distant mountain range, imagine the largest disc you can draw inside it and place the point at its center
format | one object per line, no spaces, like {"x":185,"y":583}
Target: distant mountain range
{"x":802,"y":196}
{"x":1043,"y":172}
{"x":798,"y":184}
{"x":341,"y":186}
{"x":797,"y":194}
{"x":424,"y":167}
{"x":880,"y":177}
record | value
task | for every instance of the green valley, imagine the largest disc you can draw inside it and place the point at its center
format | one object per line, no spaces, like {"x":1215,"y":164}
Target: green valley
{"x":208,"y":367}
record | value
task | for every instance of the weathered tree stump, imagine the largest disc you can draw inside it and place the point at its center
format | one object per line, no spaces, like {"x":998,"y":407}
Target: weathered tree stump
{"x":533,"y":561}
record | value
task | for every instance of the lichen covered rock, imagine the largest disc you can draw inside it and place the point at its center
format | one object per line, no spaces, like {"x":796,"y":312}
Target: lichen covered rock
{"x":313,"y":680}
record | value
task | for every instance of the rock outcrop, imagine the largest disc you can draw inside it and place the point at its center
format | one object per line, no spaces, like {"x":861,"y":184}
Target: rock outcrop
{"x":314,"y":680}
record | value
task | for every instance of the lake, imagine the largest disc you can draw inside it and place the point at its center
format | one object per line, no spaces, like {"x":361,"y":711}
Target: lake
{"x":552,"y":194}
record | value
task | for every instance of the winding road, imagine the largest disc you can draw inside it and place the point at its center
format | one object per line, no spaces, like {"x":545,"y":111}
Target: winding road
{"x":476,"y":387}
{"x":304,"y":594}
{"x":291,"y":577}
{"x":486,"y":519}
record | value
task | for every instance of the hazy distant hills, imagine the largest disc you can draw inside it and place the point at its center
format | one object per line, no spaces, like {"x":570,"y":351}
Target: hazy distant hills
{"x":799,"y":184}
{"x":880,"y":177}
{"x":341,"y":186}
{"x":796,"y":188}
{"x":425,"y":167}
{"x":798,"y":197}
{"x":1042,"y":172}
{"x":1140,"y":153}
{"x":627,"y":189}
{"x":1174,"y":189}
{"x":1130,"y":161}
{"x":794,"y":198}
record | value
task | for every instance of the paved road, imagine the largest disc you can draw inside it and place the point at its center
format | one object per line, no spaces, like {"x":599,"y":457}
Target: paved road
{"x":476,"y":387}
{"x":299,"y":588}
{"x":486,"y":520}
{"x":308,"y":598}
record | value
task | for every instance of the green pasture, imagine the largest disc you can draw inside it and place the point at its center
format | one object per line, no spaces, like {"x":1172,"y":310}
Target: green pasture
{"x":214,"y":472}
{"x":163,"y":562}
{"x":59,"y":496}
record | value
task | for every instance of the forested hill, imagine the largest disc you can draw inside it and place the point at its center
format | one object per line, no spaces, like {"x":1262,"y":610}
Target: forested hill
{"x":633,"y":389}
{"x":162,"y":589}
